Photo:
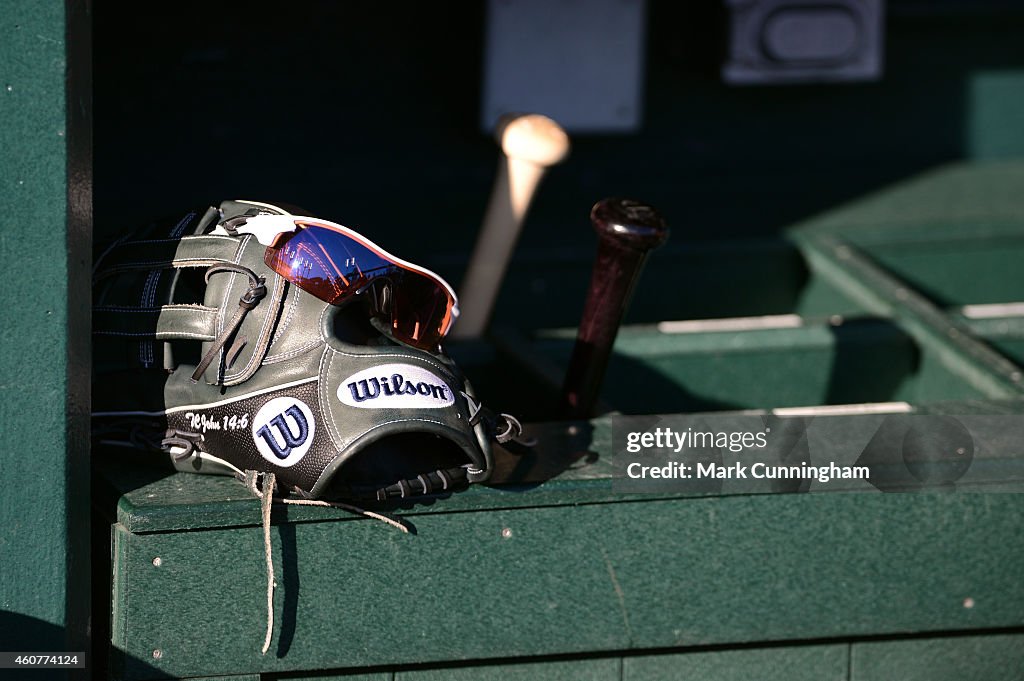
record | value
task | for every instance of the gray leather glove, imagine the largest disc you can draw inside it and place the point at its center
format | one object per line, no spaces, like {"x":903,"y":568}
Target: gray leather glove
{"x":205,"y":352}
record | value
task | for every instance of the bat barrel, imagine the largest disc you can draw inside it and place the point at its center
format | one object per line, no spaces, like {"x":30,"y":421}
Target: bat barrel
{"x":530,"y":144}
{"x":627,"y":232}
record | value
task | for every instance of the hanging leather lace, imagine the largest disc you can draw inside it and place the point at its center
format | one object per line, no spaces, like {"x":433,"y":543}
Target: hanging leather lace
{"x":261,"y":485}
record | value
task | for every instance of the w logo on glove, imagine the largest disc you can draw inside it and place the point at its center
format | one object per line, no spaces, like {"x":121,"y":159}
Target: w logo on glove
{"x":283,"y":430}
{"x":290,"y":440}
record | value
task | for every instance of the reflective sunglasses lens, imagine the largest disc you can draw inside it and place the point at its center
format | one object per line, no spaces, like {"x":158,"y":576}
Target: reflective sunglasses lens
{"x":421,"y":310}
{"x":330,"y":265}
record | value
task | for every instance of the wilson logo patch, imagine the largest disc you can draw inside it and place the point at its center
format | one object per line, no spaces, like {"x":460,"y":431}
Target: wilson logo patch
{"x":395,"y":386}
{"x":283,"y":430}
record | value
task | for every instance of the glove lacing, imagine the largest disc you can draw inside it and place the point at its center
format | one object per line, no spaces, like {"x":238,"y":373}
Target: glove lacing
{"x":249,"y":300}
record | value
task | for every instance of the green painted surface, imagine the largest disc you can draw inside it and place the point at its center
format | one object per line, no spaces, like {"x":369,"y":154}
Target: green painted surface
{"x":952,"y":343}
{"x":571,"y":579}
{"x":606,"y":669}
{"x":955,"y":234}
{"x":964,"y":271}
{"x":997,"y":108}
{"x":44,"y":203}
{"x":979,"y":199}
{"x":853,"y":360}
{"x":968,"y":658}
{"x":804,"y":663}
{"x":859,"y":360}
{"x":572,"y":464}
{"x":992,"y":657}
{"x":1004,"y":334}
{"x":354,"y":676}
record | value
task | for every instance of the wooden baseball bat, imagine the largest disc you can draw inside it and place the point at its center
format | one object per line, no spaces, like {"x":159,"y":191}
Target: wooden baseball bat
{"x":530,"y":144}
{"x":627,"y":231}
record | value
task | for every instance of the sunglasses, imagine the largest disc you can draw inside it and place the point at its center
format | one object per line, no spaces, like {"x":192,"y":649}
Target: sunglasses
{"x":336,"y":264}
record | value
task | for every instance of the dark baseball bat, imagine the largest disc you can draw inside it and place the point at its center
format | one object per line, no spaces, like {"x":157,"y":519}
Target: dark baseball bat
{"x":627,"y":231}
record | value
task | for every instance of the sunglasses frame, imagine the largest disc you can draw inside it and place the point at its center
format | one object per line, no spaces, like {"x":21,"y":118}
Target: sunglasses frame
{"x":270,"y":230}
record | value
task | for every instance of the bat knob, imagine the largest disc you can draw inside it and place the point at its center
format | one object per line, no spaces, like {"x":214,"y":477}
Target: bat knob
{"x":627,"y":231}
{"x":629,"y":223}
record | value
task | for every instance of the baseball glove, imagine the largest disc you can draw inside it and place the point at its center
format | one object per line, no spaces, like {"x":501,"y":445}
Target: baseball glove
{"x":244,"y":338}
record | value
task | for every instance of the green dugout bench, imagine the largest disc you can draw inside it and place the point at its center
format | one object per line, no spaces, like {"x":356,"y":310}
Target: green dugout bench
{"x":906,"y":299}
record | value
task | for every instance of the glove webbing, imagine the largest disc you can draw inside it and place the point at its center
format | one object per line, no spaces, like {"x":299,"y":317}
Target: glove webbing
{"x":440,"y":480}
